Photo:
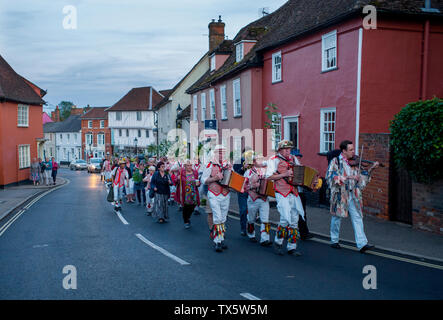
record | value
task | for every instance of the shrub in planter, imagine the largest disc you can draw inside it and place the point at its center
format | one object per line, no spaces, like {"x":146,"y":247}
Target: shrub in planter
{"x":417,"y":140}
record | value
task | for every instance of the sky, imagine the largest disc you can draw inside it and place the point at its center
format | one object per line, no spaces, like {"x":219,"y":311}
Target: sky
{"x":115,"y":45}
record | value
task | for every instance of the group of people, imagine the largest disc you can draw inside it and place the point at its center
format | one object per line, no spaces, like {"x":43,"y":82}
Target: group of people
{"x":42,"y":172}
{"x":158,"y":182}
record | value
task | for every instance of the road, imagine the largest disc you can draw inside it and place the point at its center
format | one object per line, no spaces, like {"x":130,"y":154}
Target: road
{"x":76,"y":226}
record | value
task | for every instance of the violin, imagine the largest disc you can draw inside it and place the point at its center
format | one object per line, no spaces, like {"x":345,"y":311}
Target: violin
{"x":355,"y":162}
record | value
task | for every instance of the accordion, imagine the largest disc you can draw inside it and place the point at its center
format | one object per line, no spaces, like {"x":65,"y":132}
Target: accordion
{"x":233,"y":180}
{"x":266,"y":188}
{"x":303,"y":176}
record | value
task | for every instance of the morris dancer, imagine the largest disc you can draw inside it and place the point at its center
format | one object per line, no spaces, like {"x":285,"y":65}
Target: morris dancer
{"x":346,"y":184}
{"x":288,"y":201}
{"x":149,"y":200}
{"x":120,"y":178}
{"x":218,"y":195}
{"x":107,"y":169}
{"x":197,"y":167}
{"x":257,"y":203}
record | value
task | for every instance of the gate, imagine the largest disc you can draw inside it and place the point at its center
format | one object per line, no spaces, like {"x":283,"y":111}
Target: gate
{"x":400,"y":207}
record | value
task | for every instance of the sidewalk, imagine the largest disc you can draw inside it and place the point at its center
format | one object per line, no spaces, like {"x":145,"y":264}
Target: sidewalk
{"x":13,"y":197}
{"x":387,"y":235}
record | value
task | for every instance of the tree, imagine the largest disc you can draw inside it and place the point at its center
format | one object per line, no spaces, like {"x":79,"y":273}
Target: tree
{"x":65,"y":109}
{"x":274,"y":117}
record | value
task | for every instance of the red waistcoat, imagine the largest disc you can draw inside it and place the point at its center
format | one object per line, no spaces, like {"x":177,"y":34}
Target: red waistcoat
{"x":281,"y":186}
{"x":215,"y":187}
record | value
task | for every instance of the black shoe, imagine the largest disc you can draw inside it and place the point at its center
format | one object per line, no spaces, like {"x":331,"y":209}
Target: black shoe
{"x":218,"y":247}
{"x":243,"y":233}
{"x":307,"y":237}
{"x":366,"y":247}
{"x":196,"y":212}
{"x":335,"y":246}
{"x":223,"y":245}
{"x":266,"y":243}
{"x":253,"y":239}
{"x":278,"y":249}
{"x":296,"y":253}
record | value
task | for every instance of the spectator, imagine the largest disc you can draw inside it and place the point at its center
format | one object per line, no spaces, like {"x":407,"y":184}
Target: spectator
{"x":187,"y":191}
{"x":138,"y":176}
{"x":48,"y":168}
{"x":35,"y":171}
{"x":54,"y":166}
{"x":161,"y":181}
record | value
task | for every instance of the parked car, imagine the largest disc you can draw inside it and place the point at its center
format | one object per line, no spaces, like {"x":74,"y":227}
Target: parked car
{"x":78,"y":165}
{"x":94,"y":165}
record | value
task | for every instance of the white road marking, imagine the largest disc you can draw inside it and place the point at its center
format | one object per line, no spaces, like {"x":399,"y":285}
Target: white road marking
{"x":121,"y":218}
{"x":10,"y":222}
{"x":161,"y":250}
{"x":384,"y":255}
{"x":249,"y":296}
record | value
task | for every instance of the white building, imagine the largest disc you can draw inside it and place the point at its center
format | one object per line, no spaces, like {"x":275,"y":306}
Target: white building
{"x":131,"y":120}
{"x":64,"y":139}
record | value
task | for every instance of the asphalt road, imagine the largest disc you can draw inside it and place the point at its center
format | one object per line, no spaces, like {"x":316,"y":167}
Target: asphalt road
{"x":76,"y":226}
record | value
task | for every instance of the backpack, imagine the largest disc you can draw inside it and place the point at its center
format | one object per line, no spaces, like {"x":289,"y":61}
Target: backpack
{"x":332,"y":154}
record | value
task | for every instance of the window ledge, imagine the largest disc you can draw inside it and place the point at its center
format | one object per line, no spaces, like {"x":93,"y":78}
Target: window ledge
{"x":23,"y":125}
{"x":24,"y":168}
{"x":277,"y":81}
{"x":329,"y":70}
{"x":238,"y":116}
{"x":224,"y":119}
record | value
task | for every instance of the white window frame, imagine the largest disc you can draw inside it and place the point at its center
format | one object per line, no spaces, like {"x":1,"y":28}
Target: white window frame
{"x":286,"y":125}
{"x":276,"y":119}
{"x":147,"y":133}
{"x":223,"y":103}
{"x":102,"y":124}
{"x":100,"y":139}
{"x":139,"y":116}
{"x":276,"y":67}
{"x":236,"y":148}
{"x":203,"y":106}
{"x":89,"y":124}
{"x":89,"y":139}
{"x":212,"y":110}
{"x":22,"y":115}
{"x":331,"y":120}
{"x":118,"y":116}
{"x":236,"y":108}
{"x":239,"y":50}
{"x":212,"y":62}
{"x":195,"y":106}
{"x":120,"y":134}
{"x":325,"y":47}
{"x":24,"y":156}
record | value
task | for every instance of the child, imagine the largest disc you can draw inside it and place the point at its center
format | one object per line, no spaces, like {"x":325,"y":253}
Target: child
{"x":149,"y":201}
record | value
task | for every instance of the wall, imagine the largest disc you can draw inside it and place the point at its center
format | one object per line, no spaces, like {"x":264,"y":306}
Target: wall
{"x":427,"y":203}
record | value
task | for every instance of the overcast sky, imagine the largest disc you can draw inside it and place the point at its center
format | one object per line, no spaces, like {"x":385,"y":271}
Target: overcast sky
{"x":117,"y":45}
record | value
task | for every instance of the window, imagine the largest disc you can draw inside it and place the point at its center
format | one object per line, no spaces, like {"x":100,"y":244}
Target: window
{"x":237,"y":140}
{"x":147,"y":133}
{"x":101,"y":139}
{"x":276,"y":67}
{"x":329,"y":51}
{"x":139,"y":115}
{"x":61,"y":136}
{"x":203,"y":106}
{"x":90,"y":124}
{"x":64,"y":153}
{"x":102,"y":124}
{"x":224,"y":108}
{"x":276,"y":125}
{"x":239,"y":52}
{"x":127,"y":132}
{"x":69,"y":136}
{"x":139,"y":133}
{"x":213,"y":63}
{"x":24,"y":156}
{"x":119,"y":132}
{"x":118,"y":115}
{"x":22,"y":116}
{"x":327,"y":129}
{"x":50,"y":151}
{"x":75,"y":137}
{"x":72,"y":151}
{"x":88,"y":139}
{"x":212,"y":103}
{"x":236,"y":97}
{"x":194,"y":103}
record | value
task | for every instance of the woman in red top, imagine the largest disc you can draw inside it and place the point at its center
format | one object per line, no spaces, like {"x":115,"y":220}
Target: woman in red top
{"x":187,"y":191}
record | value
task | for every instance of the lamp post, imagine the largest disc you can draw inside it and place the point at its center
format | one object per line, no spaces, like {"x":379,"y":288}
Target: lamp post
{"x":135,"y":142}
{"x":156,"y":128}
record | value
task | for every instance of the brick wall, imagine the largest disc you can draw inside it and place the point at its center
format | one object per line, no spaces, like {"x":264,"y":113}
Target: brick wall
{"x":376,"y":194}
{"x":427,"y":207}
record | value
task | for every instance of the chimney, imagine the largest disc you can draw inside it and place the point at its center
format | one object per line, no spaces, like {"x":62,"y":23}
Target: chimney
{"x":55,"y":115}
{"x":216,"y":33}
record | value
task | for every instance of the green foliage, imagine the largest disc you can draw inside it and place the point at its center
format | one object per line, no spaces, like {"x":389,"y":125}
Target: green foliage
{"x":274,"y":119}
{"x":417,"y":140}
{"x":65,"y":109}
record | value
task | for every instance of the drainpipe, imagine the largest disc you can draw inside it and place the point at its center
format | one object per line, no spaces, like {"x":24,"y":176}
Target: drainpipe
{"x":425,"y":53}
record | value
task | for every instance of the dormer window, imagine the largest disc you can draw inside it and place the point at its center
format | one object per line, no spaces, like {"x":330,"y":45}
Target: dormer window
{"x":239,"y":52}
{"x":212,"y":60}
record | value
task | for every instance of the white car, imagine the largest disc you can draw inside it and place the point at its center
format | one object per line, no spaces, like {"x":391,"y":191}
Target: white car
{"x":78,"y":165}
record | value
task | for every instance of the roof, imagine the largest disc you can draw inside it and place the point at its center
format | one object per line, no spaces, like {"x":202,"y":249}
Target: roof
{"x":14,"y":87}
{"x":46,"y":118}
{"x":72,"y":124}
{"x":137,"y":99}
{"x":297,"y":18}
{"x":166,"y":92}
{"x":95,"y":113}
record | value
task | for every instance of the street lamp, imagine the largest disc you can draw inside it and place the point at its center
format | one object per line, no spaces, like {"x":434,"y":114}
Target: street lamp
{"x":135,"y":142}
{"x":178,"y":121}
{"x":156,"y":128}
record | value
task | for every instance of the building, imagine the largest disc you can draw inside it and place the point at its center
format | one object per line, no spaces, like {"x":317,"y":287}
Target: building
{"x":96,"y":136}
{"x":64,"y":139}
{"x":21,"y":128}
{"x":131,"y":120}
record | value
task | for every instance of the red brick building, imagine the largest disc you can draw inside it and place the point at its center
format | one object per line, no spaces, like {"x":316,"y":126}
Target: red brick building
{"x":96,"y":135}
{"x":21,"y":125}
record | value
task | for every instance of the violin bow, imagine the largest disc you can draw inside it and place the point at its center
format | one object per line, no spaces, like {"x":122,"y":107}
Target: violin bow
{"x":361,"y":157}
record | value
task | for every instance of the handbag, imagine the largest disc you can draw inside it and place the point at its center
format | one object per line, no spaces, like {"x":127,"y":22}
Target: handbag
{"x":110,"y":197}
{"x":151,"y":193}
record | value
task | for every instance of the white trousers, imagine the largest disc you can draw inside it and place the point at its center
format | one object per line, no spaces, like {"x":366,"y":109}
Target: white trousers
{"x":220,"y":207}
{"x":118,"y":194}
{"x":47,"y":176}
{"x":289,"y":208}
{"x":262,"y":208}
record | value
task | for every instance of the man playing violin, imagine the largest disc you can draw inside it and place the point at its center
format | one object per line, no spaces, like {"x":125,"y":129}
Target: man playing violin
{"x":218,"y":195}
{"x":346,"y":183}
{"x":289,"y":205}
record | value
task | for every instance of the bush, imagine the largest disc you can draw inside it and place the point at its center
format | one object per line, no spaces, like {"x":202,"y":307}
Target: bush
{"x":417,"y":140}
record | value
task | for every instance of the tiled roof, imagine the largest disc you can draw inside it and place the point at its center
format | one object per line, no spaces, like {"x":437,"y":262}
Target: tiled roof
{"x":14,"y":87}
{"x":137,"y":99}
{"x":72,"y":124}
{"x":95,"y":113}
{"x":298,"y":17}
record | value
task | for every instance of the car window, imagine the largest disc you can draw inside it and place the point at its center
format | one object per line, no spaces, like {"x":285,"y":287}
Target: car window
{"x":81,"y":161}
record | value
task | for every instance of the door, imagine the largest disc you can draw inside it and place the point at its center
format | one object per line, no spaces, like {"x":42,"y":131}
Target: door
{"x":400,"y":202}
{"x":291,"y":130}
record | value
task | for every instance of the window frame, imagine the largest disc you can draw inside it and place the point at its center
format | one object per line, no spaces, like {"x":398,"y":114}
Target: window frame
{"x":212,"y":63}
{"x":203,"y":103}
{"x":118,"y":116}
{"x":274,"y":65}
{"x":24,"y":160}
{"x":89,"y":124}
{"x":139,"y":116}
{"x":195,"y":106}
{"x":102,"y":124}
{"x":223,"y":104}
{"x":324,"y":61}
{"x":100,"y":139}
{"x":87,"y":135}
{"x":212,"y":110}
{"x":22,"y":115}
{"x":324,"y":111}
{"x":236,"y":114}
{"x":239,"y":51}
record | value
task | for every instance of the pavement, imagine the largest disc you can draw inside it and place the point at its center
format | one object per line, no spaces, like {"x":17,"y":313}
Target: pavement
{"x":389,"y":236}
{"x":15,"y":196}
{"x":130,"y":256}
